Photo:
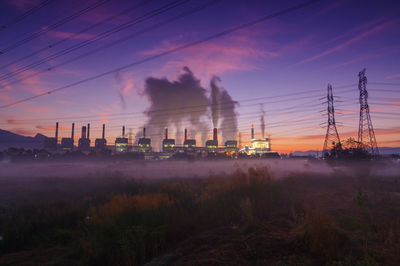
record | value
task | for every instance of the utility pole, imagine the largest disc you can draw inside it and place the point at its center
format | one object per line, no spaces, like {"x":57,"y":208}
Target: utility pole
{"x":332,"y":135}
{"x":366,"y":134}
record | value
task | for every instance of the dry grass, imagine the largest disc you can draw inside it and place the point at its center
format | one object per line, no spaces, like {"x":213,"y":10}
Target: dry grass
{"x":247,"y":218}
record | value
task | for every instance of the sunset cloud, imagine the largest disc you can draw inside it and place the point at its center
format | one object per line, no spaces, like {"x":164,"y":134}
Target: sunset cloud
{"x":237,"y":53}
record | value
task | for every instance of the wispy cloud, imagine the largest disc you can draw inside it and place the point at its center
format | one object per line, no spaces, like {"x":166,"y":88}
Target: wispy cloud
{"x":40,"y":109}
{"x":376,"y":29}
{"x":23,"y":4}
{"x":70,"y":35}
{"x":237,"y":53}
{"x":393,"y":76}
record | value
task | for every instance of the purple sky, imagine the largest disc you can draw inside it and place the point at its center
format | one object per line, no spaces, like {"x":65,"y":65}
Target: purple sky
{"x":327,"y":42}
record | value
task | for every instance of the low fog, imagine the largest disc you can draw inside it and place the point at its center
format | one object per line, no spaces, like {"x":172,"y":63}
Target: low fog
{"x":188,"y":169}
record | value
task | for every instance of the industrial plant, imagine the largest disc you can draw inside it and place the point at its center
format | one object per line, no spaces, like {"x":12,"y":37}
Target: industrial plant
{"x":170,"y":149}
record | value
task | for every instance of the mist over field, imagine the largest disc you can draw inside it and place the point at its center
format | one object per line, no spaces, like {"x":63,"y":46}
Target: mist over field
{"x":189,"y":169}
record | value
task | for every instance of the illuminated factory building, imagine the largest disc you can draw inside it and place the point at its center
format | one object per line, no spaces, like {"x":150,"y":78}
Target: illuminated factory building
{"x":67,"y":144}
{"x":189,"y":145}
{"x":101,"y":144}
{"x":144,"y":144}
{"x":212,"y":145}
{"x":121,"y":144}
{"x":231,"y":146}
{"x":259,"y":147}
{"x":168,"y":145}
{"x":84,"y":141}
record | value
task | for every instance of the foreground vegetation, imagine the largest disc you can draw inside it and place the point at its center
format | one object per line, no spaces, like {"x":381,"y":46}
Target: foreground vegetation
{"x":248,"y":218}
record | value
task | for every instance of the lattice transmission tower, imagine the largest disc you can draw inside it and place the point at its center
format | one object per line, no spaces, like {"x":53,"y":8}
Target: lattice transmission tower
{"x":366,"y":135}
{"x":332,"y":135}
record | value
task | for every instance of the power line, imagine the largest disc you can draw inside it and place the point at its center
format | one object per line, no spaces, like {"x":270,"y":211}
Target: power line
{"x":53,"y":26}
{"x":91,"y":40}
{"x":162,"y":112}
{"x":26,"y":14}
{"x":170,"y":51}
{"x":52,"y":45}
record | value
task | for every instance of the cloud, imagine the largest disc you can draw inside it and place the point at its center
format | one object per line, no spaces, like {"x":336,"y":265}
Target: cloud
{"x":235,"y":53}
{"x":23,"y":4}
{"x":70,"y":35}
{"x":51,"y":127}
{"x":40,"y":109}
{"x":353,"y":40}
{"x":23,"y":131}
{"x":393,"y":76}
{"x":14,"y":122}
{"x":28,"y":81}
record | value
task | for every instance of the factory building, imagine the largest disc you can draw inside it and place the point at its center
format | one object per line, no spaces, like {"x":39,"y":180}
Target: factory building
{"x":51,"y":143}
{"x":189,"y":145}
{"x":84,"y":141}
{"x":168,"y":145}
{"x":258,"y":147}
{"x":101,"y":144}
{"x":121,"y":144}
{"x":67,"y":144}
{"x":144,"y":144}
{"x":231,"y":146}
{"x":212,"y":145}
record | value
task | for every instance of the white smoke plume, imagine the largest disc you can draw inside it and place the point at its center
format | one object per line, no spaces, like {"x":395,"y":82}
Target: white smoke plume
{"x":262,"y":121}
{"x":224,"y":107}
{"x":174,"y":103}
{"x":120,"y":84}
{"x":215,"y":100}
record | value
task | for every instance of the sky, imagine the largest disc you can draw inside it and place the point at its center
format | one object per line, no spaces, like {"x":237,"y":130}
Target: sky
{"x":282,"y":65}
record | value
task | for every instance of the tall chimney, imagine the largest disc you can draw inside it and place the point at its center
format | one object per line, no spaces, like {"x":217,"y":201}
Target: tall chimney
{"x":252,"y":131}
{"x":166,"y":133}
{"x":56,"y":132}
{"x":83,"y":132}
{"x":123,"y":131}
{"x":72,"y":132}
{"x":144,"y":132}
{"x":88,"y":131}
{"x":215,"y":138}
{"x":185,"y":135}
{"x":104,"y":131}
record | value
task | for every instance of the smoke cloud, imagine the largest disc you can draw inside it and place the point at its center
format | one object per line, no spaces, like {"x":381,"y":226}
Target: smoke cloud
{"x":120,"y":84}
{"x":225,"y":107}
{"x":262,"y":121}
{"x":178,"y":103}
{"x":215,"y":100}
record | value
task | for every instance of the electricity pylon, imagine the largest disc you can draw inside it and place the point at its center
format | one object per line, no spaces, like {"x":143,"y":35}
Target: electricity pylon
{"x":366,"y":135}
{"x":332,"y":135}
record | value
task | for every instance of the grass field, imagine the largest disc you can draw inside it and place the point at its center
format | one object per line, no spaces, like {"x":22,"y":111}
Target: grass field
{"x":237,"y":213}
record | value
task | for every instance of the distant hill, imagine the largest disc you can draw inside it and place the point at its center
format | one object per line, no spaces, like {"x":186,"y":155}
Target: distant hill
{"x":382,"y":151}
{"x":12,"y":140}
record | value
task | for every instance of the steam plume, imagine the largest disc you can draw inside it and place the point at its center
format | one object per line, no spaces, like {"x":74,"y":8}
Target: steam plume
{"x":215,"y":100}
{"x":262,"y":120}
{"x":120,"y":83}
{"x":226,"y":107}
{"x":172,"y":102}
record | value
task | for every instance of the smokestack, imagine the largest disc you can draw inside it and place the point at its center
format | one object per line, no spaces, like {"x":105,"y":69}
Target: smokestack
{"x":56,"y":132}
{"x":123,"y":131}
{"x":166,"y":133}
{"x":252,"y":131}
{"x":83,"y":132}
{"x":72,"y":132}
{"x":88,"y":131}
{"x":144,"y":132}
{"x":104,"y":131}
{"x":185,"y":135}
{"x":215,"y":138}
